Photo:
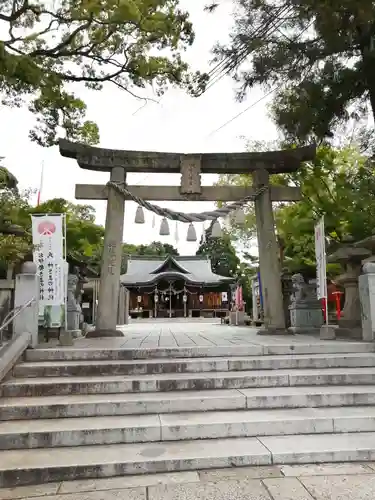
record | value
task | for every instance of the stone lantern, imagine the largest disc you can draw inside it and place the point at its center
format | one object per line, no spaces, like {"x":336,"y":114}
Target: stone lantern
{"x":350,"y":257}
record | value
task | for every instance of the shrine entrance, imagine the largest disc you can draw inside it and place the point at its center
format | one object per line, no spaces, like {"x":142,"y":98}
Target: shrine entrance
{"x":175,"y":287}
{"x":118,"y":163}
{"x":170,"y":300}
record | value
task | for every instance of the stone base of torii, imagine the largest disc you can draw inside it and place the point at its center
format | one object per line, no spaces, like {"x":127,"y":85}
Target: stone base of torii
{"x":118,"y":163}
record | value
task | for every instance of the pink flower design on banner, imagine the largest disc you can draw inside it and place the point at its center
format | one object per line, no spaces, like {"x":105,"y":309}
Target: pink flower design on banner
{"x":46,"y":228}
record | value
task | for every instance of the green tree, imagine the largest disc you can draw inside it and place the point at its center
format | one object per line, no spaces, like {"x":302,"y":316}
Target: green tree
{"x":46,"y":47}
{"x":84,"y":238}
{"x":318,"y":55}
{"x":154,"y":249}
{"x":224,"y":260}
{"x":15,"y":243}
{"x":339,"y":184}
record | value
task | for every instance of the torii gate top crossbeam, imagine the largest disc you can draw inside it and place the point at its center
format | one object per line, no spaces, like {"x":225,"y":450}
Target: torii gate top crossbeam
{"x":101,"y":159}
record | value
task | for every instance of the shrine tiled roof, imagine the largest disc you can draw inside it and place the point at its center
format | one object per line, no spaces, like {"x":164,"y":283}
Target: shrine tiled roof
{"x":193,"y":269}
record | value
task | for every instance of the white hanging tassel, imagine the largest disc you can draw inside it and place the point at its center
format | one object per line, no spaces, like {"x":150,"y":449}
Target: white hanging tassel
{"x":191,"y":233}
{"x":216,"y":230}
{"x":164,"y":227}
{"x":139,"y":215}
{"x":176,"y":238}
{"x":239,"y":217}
{"x":153,"y":221}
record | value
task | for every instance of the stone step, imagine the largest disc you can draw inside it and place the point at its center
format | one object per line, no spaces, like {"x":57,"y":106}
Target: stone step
{"x":84,"y":431}
{"x":120,"y":404}
{"x":49,"y":386}
{"x":275,"y":347}
{"x":194,"y":365}
{"x":90,"y":405}
{"x":36,"y":466}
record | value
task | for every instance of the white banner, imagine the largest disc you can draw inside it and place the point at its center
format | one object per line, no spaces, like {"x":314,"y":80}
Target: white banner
{"x":48,"y":238}
{"x":321,"y":264}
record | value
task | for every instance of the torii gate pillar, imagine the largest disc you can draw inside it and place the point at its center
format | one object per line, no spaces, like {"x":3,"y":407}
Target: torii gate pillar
{"x":269,"y":263}
{"x":111,"y":261}
{"x":118,"y":163}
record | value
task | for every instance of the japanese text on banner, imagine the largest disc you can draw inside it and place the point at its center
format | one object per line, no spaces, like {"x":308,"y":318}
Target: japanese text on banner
{"x":47,"y":231}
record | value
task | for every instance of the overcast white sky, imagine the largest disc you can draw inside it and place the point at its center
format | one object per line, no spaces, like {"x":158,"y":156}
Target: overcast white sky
{"x":178,"y":124}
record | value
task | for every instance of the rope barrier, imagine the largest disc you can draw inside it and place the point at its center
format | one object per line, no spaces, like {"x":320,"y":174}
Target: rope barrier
{"x":187,"y":217}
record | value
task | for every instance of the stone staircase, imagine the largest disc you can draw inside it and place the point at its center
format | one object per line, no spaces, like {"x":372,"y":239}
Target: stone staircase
{"x":73,"y":413}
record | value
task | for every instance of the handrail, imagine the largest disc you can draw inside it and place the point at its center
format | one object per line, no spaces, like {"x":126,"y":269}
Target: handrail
{"x":12,"y":315}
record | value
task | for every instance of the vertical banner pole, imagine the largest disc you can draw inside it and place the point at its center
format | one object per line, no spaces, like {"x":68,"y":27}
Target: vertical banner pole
{"x":321,"y":264}
{"x":65,"y":276}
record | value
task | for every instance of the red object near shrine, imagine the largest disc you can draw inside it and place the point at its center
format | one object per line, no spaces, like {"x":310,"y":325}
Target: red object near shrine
{"x":239,"y":299}
{"x":334,"y":295}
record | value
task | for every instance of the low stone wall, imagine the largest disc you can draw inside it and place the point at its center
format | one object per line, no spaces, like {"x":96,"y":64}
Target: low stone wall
{"x":11,"y":352}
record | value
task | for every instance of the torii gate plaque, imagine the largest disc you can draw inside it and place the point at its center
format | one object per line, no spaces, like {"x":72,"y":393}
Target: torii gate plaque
{"x":118,"y":163}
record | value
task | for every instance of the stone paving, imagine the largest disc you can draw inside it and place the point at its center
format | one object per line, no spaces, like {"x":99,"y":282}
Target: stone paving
{"x":340,"y":481}
{"x":167,"y":333}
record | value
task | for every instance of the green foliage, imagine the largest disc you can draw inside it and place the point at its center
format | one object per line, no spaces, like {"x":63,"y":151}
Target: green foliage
{"x":13,"y":212}
{"x":245,"y":274}
{"x":46,"y":47}
{"x":155,"y":249}
{"x":225,"y":262}
{"x":318,"y":54}
{"x":84,"y":238}
{"x":339,"y":184}
{"x":7,"y":179}
{"x":223,"y":256}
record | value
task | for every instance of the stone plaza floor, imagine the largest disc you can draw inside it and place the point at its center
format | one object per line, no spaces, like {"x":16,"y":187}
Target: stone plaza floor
{"x":169,"y":333}
{"x":339,"y":481}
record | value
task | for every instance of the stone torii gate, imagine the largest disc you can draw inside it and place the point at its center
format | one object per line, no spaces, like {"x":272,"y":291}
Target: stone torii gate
{"x":117,"y":162}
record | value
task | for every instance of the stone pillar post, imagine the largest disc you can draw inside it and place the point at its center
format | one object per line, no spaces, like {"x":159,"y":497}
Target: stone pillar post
{"x":270,"y":275}
{"x":26,"y":289}
{"x":73,"y":308}
{"x":121,"y":306}
{"x":126,"y":306}
{"x":111,"y":262}
{"x":366,"y":283}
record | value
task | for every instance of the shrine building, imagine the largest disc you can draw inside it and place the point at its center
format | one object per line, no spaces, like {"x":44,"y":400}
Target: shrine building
{"x":175,"y":287}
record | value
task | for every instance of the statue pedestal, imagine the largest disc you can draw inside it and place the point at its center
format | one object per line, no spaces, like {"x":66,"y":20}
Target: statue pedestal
{"x":305,"y":318}
{"x":366,"y":285}
{"x":305,"y":310}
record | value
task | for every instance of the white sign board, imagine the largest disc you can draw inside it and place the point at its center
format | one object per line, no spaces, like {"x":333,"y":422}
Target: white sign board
{"x":224,"y":296}
{"x":47,"y":232}
{"x":321,"y":264}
